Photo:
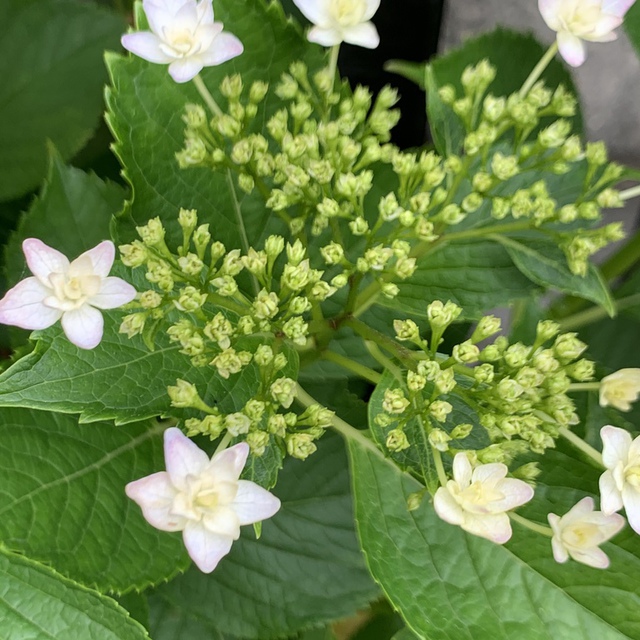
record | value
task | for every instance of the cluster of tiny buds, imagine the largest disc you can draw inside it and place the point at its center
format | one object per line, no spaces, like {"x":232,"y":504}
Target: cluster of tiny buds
{"x":518,"y":391}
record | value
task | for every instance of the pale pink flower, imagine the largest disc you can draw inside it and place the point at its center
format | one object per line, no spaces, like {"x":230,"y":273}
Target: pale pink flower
{"x":183,"y":35}
{"x":72,"y":292}
{"x":580,"y":531}
{"x":620,"y":389}
{"x":620,"y":483}
{"x":578,"y":20}
{"x":339,"y":21}
{"x":477,"y":499}
{"x":202,"y":498}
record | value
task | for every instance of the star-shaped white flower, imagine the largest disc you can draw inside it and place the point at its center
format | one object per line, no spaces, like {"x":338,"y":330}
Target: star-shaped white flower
{"x":183,"y":35}
{"x":477,"y":499}
{"x":578,"y":20}
{"x":202,"y":498}
{"x":620,"y":389}
{"x":72,"y":292}
{"x":620,"y":483}
{"x":580,"y":531}
{"x":339,"y":21}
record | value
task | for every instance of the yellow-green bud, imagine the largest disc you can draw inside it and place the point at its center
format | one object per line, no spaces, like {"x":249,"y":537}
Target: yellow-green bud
{"x":504,"y":167}
{"x":265,"y":305}
{"x":461,"y":431}
{"x":394,"y":401}
{"x":517,"y":355}
{"x":237,"y":424}
{"x":442,"y":315}
{"x":152,"y":234}
{"x":466,"y":352}
{"x":567,"y":347}
{"x":300,"y":445}
{"x":484,"y":374}
{"x":397,"y":441}
{"x":445,"y":382}
{"x":389,"y":289}
{"x":150,"y":299}
{"x":184,"y":395}
{"x":190,"y":264}
{"x":359,"y":226}
{"x":440,"y":409}
{"x":133,"y":324}
{"x":283,"y":391}
{"x":190,"y":299}
{"x":439,"y":439}
{"x":415,"y":381}
{"x":406,"y":330}
{"x":134,"y":254}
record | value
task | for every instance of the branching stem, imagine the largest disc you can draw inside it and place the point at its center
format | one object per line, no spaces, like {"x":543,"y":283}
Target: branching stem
{"x":533,"y":526}
{"x":353,"y":366}
{"x":579,"y":443}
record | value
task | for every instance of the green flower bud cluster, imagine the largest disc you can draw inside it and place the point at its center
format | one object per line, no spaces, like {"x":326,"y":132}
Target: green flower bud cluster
{"x":583,"y":243}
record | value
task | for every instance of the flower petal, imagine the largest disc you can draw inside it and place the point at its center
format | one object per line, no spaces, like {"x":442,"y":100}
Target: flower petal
{"x":145,"y":45}
{"x":592,"y":557}
{"x":610,"y":497}
{"x":516,"y":493}
{"x":316,"y":11}
{"x":447,"y":508}
{"x":228,"y":464}
{"x":326,"y":36}
{"x":494,"y":527}
{"x":549,"y":10}
{"x":571,"y":48}
{"x":560,"y":553}
{"x":631,"y":501}
{"x":22,"y":306}
{"x":114,"y":292}
{"x":490,"y":473}
{"x":83,"y":326}
{"x":364,"y":34}
{"x":205,"y":11}
{"x":615,"y":445}
{"x":224,"y":47}
{"x":604,"y":28}
{"x":155,"y":494}
{"x":160,"y":13}
{"x":206,"y":549}
{"x":43,"y":260}
{"x":99,"y":260}
{"x":371,"y":7}
{"x":183,"y":457}
{"x":185,"y":69}
{"x":462,"y":470}
{"x":223,"y":521}
{"x":617,"y":7}
{"x":253,"y":503}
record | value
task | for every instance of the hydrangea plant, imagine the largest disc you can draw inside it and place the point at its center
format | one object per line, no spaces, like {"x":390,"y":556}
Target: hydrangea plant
{"x":302,"y":333}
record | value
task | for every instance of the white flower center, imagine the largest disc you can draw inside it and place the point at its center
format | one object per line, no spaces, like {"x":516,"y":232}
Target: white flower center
{"x":580,"y":17}
{"x":71,"y":292}
{"x":348,"y":13}
{"x":202,"y":497}
{"x":580,"y":535}
{"x":477,"y":497}
{"x":180,"y":43}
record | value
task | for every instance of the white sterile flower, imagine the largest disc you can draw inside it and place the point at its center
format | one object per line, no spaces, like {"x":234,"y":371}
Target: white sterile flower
{"x":339,"y":21}
{"x":578,"y":20}
{"x":71,"y":291}
{"x":184,"y":36}
{"x":580,"y":531}
{"x":477,"y":499}
{"x":620,"y":483}
{"x":202,"y":498}
{"x":620,"y":389}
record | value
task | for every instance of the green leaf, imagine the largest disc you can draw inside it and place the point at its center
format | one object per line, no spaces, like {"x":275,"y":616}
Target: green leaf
{"x":546,"y":265}
{"x":476,"y":274}
{"x":38,"y":603}
{"x":51,"y":79}
{"x":169,"y":622}
{"x":451,"y":585}
{"x":632,"y":26}
{"x":305,"y":569}
{"x":145,"y":108}
{"x":63,"y":500}
{"x":71,"y":214}
{"x":120,"y":379}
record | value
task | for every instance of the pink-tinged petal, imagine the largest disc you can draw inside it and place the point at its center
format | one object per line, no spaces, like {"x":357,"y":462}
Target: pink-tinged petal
{"x":43,"y":260}
{"x":631,"y":501}
{"x":615,"y":445}
{"x":489,"y":474}
{"x":364,"y":35}
{"x":206,"y":34}
{"x":206,"y":549}
{"x":145,"y":45}
{"x":155,"y":494}
{"x":549,"y":10}
{"x":617,"y":7}
{"x":605,"y":37}
{"x":447,"y":508}
{"x":592,"y":557}
{"x":371,"y":7}
{"x":325,"y":36}
{"x":316,"y":11}
{"x":560,"y":553}
{"x":182,"y":457}
{"x":224,"y":47}
{"x":571,"y":48}
{"x":223,"y":521}
{"x":610,"y":497}
{"x":516,"y":493}
{"x":494,"y":527}
{"x":22,"y":306}
{"x":462,"y":470}
{"x":253,"y":503}
{"x":608,"y":525}
{"x":185,"y":69}
{"x":99,"y":260}
{"x":230,"y":462}
{"x":605,"y":26}
{"x":114,"y":292}
{"x":83,"y":327}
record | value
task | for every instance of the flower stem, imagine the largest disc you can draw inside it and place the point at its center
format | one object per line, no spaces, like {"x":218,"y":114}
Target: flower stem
{"x":533,"y":526}
{"x":224,"y":443}
{"x":342,"y":427}
{"x":437,"y":459}
{"x":589,"y":316}
{"x":379,"y":357}
{"x":206,"y":96}
{"x":579,"y":443}
{"x":634,"y":192}
{"x":538,"y":70}
{"x":353,"y":366}
{"x":333,"y":65}
{"x":584,"y":386}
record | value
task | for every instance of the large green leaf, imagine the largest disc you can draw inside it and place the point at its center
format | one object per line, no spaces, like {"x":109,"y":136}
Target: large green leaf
{"x":451,"y":585}
{"x":145,"y":109}
{"x":63,"y":501}
{"x":305,"y":569}
{"x":546,"y":265}
{"x":476,"y":274}
{"x":120,"y":379}
{"x":37,"y":603}
{"x":51,"y":79}
{"x":632,"y":26}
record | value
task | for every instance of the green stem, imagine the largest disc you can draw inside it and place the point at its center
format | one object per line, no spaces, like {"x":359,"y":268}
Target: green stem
{"x":206,"y":96}
{"x":579,"y":443}
{"x":534,"y":526}
{"x":538,"y":70}
{"x":342,"y":427}
{"x":224,"y":443}
{"x":333,"y":65}
{"x":437,"y":459}
{"x":382,"y":360}
{"x":584,"y":386}
{"x":589,"y":316}
{"x":634,"y":192}
{"x":623,"y":259}
{"x":353,"y":366}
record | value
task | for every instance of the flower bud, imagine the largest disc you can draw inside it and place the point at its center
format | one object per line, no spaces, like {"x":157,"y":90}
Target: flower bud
{"x":274,"y":246}
{"x":257,"y":441}
{"x":265,"y":305}
{"x":430,"y":369}
{"x":133,"y":324}
{"x":201,"y":238}
{"x":596,"y":153}
{"x":134,"y":254}
{"x":389,"y":289}
{"x":484,"y":374}
{"x":359,"y":226}
{"x":445,"y":382}
{"x":442,"y":315}
{"x":509,"y":390}
{"x":151,"y":299}
{"x":554,"y":135}
{"x":465,"y":352}
{"x":188,"y":220}
{"x":517,"y":355}
{"x":439,"y":439}
{"x":283,"y":391}
{"x":277,"y":425}
{"x":504,"y":167}
{"x":440,"y":409}
{"x":461,"y":431}
{"x":300,"y":445}
{"x":237,"y":424}
{"x":415,"y":381}
{"x":620,"y":389}
{"x":190,"y":299}
{"x":397,"y":441}
{"x":582,"y":371}
{"x":394,"y":401}
{"x":567,"y":347}
{"x":184,"y":395}
{"x":190,"y":264}
{"x":296,"y":329}
{"x":152,"y":234}
{"x":406,"y":330}
{"x":219,"y":330}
